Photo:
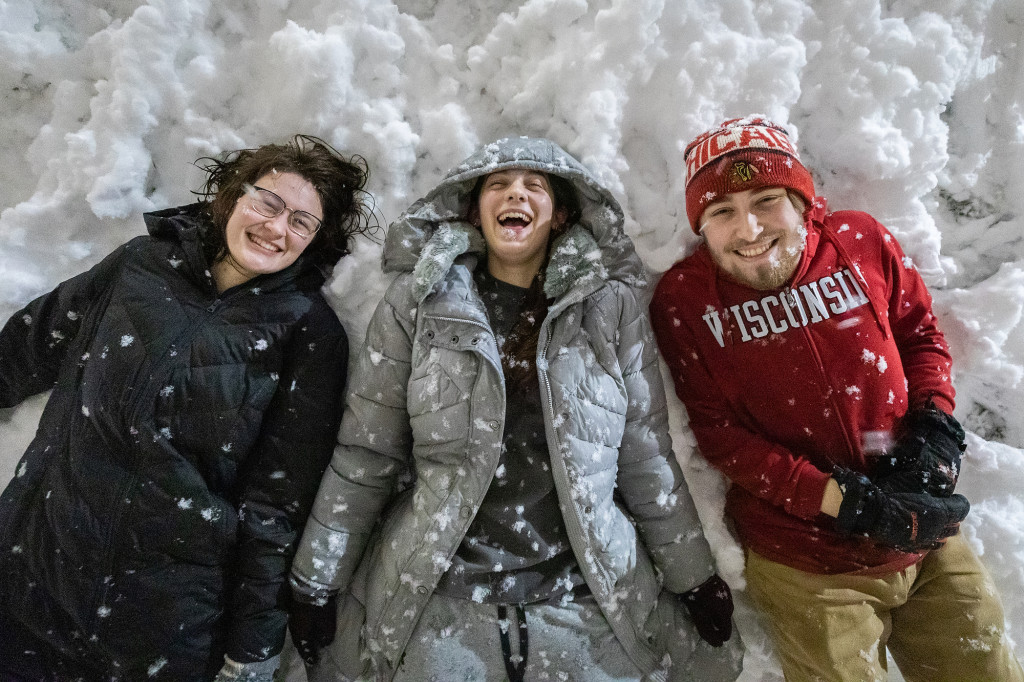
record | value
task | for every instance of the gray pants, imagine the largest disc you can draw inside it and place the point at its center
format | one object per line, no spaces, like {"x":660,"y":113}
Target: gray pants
{"x":458,"y":641}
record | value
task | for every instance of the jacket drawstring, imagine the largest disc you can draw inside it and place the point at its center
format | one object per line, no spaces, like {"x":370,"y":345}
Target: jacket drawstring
{"x":515,"y":669}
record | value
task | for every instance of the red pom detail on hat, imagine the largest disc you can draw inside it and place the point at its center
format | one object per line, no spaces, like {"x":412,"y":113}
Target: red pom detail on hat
{"x":741,"y":154}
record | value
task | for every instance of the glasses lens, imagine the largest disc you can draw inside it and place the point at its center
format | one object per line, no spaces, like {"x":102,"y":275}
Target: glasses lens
{"x":266,"y":203}
{"x":304,"y":223}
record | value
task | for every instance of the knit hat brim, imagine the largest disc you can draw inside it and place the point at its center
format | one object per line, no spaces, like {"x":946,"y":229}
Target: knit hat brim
{"x":739,"y":155}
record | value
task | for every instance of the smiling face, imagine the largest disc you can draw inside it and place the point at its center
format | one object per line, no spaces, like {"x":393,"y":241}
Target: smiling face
{"x":259,"y":245}
{"x":516,"y":213}
{"x":756,"y":236}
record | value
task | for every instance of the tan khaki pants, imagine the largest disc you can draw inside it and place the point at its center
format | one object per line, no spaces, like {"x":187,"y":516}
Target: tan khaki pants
{"x":941,"y":620}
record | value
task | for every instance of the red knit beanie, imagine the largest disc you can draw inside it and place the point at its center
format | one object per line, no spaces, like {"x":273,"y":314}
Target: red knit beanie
{"x":741,"y":154}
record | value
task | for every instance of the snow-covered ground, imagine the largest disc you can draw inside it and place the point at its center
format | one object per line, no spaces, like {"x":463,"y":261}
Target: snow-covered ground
{"x":910,"y":109}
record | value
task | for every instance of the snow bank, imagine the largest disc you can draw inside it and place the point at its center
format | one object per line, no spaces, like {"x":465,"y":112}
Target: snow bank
{"x":909,"y":109}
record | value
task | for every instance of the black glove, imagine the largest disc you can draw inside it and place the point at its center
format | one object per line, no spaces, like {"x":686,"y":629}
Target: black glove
{"x":312,"y":627}
{"x":710,"y":607}
{"x":912,"y":522}
{"x":926,"y":457}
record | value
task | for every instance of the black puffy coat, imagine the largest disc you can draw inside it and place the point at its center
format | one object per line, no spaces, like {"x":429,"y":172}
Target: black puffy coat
{"x":150,"y":525}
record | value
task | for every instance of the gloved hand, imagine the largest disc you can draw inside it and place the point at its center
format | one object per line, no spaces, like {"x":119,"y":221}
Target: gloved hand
{"x":909,"y":521}
{"x":710,"y":607}
{"x":258,"y":671}
{"x":312,"y":626}
{"x":926,"y":457}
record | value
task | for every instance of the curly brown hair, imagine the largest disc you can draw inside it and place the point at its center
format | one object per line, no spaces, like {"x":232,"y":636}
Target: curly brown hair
{"x":338,"y":181}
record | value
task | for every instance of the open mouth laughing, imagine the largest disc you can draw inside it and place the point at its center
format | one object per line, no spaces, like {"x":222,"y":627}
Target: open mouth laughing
{"x":514,"y":220}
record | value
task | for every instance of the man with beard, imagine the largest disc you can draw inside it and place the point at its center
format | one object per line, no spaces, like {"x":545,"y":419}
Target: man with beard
{"x":803,"y":345}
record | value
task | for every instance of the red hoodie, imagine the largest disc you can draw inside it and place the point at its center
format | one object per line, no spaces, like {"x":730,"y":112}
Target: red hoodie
{"x":780,"y":385}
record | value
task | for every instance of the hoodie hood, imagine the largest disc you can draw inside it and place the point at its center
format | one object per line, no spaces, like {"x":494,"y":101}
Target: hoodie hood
{"x":433,"y":233}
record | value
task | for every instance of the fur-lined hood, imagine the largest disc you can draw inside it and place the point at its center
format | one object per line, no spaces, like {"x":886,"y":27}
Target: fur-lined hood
{"x":433,"y":233}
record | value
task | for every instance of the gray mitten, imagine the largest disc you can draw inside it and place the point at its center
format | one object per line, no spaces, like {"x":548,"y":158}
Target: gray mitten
{"x":257,"y":671}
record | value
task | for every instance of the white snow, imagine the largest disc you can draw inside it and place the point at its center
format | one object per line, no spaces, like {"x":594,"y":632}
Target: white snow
{"x":910,"y":109}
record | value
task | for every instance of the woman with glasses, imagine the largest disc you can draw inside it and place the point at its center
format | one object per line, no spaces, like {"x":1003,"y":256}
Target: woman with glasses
{"x":503,"y":503}
{"x":197,"y":378}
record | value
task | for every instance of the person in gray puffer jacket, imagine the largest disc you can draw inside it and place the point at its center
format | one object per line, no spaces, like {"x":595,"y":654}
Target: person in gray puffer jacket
{"x":503,"y":500}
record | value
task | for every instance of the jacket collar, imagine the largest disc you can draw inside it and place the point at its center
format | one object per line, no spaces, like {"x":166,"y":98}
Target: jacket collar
{"x":575,"y":262}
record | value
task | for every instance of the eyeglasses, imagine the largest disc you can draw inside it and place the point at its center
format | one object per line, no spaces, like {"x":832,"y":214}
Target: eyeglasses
{"x":269,"y":205}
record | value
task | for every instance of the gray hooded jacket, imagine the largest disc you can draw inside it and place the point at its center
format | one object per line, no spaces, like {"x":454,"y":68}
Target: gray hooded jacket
{"x":428,"y":401}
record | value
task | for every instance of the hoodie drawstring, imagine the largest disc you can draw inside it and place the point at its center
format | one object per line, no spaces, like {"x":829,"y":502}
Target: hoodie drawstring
{"x":844,"y":256}
{"x":517,"y":669}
